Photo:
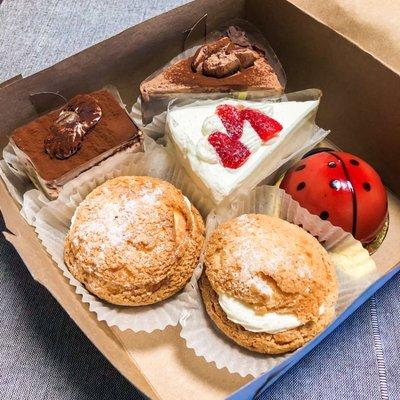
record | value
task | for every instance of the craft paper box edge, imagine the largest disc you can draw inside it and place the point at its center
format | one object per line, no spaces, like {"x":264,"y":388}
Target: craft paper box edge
{"x":99,"y":336}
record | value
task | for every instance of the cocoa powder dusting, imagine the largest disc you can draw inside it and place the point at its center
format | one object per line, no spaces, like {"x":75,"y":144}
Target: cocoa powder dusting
{"x":114,"y":128}
{"x":260,"y":75}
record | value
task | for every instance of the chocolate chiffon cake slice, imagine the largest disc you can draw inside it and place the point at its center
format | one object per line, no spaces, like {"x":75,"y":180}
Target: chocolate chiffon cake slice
{"x":229,"y":64}
{"x":55,"y":148}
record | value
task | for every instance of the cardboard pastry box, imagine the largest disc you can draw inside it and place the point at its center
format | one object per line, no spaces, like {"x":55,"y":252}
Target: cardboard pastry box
{"x":333,"y":46}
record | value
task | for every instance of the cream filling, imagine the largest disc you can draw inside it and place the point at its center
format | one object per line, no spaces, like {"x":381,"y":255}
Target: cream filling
{"x":351,"y":258}
{"x":270,"y":322}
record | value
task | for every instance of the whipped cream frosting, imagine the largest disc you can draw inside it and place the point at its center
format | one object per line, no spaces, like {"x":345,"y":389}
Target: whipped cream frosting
{"x":190,"y":126}
{"x":269,"y":322}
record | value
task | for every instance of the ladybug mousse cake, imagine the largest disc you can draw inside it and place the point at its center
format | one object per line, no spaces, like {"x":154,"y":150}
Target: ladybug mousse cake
{"x":341,"y":188}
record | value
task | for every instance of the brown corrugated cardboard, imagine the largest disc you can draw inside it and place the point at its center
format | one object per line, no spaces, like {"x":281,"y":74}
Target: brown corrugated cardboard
{"x":359,"y":98}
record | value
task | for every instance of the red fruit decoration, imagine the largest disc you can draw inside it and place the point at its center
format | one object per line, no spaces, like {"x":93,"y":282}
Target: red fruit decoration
{"x":342,"y":188}
{"x":232,"y":152}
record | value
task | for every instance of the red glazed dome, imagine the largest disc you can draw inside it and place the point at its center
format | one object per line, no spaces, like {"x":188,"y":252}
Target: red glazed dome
{"x":342,"y":188}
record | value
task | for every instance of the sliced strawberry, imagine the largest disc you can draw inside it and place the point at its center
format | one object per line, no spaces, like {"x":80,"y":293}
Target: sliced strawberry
{"x":266,"y":127}
{"x":232,"y":153}
{"x":231,"y":119}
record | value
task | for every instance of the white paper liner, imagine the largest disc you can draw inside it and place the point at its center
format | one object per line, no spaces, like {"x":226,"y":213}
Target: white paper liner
{"x":52,"y":220}
{"x":355,"y":269}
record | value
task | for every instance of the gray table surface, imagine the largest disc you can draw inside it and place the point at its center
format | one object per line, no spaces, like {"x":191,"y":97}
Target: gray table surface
{"x":43,"y":355}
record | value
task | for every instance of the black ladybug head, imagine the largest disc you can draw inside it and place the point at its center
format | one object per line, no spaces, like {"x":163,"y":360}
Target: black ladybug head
{"x":317,"y":150}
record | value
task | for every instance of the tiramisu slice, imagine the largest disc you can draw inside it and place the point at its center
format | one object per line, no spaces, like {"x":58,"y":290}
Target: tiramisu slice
{"x":229,"y":64}
{"x":60,"y":145}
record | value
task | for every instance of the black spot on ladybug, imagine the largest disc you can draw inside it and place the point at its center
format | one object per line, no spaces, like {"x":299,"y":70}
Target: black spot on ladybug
{"x":335,"y":184}
{"x":367,"y":186}
{"x":331,"y":164}
{"x":300,"y":167}
{"x":324,"y":215}
{"x":301,"y":186}
{"x":354,"y":162}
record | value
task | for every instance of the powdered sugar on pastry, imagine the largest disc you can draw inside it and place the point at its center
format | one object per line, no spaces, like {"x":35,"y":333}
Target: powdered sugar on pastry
{"x":269,"y":264}
{"x":134,"y":240}
{"x":112,"y":222}
{"x":268,"y":284}
{"x":251,"y":254}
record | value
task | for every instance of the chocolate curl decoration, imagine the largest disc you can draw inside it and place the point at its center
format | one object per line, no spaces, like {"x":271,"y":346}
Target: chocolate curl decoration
{"x":79,"y":115}
{"x":226,"y":56}
{"x":223,"y":58}
{"x":239,"y":37}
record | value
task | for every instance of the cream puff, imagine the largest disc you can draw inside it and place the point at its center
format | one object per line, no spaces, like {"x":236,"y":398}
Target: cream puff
{"x":268,"y":284}
{"x":134,"y":241}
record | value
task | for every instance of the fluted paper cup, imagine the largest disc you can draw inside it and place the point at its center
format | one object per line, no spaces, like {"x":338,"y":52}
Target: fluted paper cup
{"x":52,"y":221}
{"x":355,"y":270}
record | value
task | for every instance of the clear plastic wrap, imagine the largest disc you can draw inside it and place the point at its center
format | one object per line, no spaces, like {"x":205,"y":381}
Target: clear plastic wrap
{"x":154,"y":102}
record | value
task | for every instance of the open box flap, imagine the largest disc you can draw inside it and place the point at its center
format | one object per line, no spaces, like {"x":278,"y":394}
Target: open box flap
{"x":372,"y":25}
